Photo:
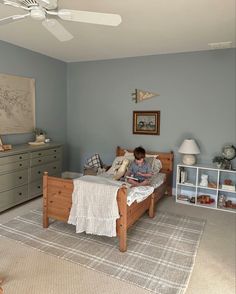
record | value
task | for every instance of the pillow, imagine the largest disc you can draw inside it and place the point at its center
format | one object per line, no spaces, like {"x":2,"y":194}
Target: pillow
{"x":115,"y":165}
{"x":130,"y":154}
{"x":122,"y":170}
{"x":150,"y":158}
{"x":94,"y":161}
{"x":156,"y":165}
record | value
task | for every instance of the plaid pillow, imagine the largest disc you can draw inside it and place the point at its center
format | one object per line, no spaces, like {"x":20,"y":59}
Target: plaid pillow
{"x":94,"y":161}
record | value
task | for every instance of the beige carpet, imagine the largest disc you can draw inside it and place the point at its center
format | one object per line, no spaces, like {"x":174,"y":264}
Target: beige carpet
{"x":160,"y":255}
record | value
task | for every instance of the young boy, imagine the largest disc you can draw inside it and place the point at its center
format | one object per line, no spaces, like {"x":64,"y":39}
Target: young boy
{"x":139,"y":169}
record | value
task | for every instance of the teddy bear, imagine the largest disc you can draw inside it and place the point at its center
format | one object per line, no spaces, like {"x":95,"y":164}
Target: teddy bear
{"x":204,"y":180}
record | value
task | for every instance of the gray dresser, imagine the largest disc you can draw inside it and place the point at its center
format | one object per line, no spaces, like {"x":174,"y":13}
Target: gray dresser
{"x":21,"y":172}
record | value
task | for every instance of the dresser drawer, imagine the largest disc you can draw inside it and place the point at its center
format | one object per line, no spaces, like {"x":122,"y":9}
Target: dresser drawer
{"x":14,"y":179}
{"x":11,"y":166}
{"x":45,"y":159}
{"x":53,"y":168}
{"x":9,"y":159}
{"x":35,"y":188}
{"x":46,"y":152}
{"x":13,"y":197}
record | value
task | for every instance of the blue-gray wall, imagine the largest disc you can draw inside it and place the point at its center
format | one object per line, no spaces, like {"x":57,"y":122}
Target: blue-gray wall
{"x":197,"y":99}
{"x":50,"y":75}
{"x":87,"y":106}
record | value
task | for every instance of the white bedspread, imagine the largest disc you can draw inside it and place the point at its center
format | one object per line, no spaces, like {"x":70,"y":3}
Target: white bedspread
{"x":94,"y":205}
{"x":94,"y":202}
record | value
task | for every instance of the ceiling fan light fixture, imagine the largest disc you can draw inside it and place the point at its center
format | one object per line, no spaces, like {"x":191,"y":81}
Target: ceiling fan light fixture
{"x":38,"y":13}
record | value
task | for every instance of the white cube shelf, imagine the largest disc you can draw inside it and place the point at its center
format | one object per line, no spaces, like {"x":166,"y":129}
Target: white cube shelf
{"x":191,"y":191}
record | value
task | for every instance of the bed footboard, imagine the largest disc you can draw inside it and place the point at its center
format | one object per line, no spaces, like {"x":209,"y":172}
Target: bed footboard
{"x":57,"y":198}
{"x":57,"y":201}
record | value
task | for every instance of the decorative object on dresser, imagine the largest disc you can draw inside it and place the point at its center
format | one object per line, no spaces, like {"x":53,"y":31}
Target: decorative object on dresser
{"x":21,"y":172}
{"x":17,"y":100}
{"x":206,"y":187}
{"x":141,"y":95}
{"x":40,"y":137}
{"x":146,"y":122}
{"x":4,"y":147}
{"x":189,"y":148}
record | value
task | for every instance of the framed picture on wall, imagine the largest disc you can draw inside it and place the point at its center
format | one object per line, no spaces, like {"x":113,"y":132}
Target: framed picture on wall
{"x":146,"y":122}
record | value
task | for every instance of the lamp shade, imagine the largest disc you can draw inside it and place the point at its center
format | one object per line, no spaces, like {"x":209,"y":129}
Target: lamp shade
{"x":189,"y":146}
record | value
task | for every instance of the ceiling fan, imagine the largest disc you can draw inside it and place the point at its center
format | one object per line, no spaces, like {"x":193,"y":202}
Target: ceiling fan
{"x":47,"y":10}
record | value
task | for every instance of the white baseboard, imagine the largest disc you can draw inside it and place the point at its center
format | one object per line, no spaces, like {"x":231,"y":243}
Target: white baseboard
{"x":70,"y":175}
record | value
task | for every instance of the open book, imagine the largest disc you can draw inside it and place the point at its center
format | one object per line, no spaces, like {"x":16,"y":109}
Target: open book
{"x":133,"y":178}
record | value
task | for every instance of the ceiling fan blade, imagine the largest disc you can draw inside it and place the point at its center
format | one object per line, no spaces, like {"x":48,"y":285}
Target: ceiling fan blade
{"x":44,"y":1}
{"x":14,"y":4}
{"x":48,"y":4}
{"x":12,"y":18}
{"x":58,"y":31}
{"x":90,"y":17}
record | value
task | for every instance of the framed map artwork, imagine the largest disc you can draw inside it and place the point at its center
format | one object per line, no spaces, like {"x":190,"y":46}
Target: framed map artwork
{"x":17,"y":104}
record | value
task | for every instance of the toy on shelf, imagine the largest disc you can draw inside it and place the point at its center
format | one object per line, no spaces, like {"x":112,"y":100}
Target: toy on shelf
{"x":228,"y":185}
{"x":230,"y":204}
{"x":204,"y":180}
{"x":221,"y":201}
{"x":205,"y":199}
{"x":212,"y":185}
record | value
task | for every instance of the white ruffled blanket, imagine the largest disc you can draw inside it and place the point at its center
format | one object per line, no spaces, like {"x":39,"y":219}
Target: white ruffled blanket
{"x":94,"y":205}
{"x":94,"y":202}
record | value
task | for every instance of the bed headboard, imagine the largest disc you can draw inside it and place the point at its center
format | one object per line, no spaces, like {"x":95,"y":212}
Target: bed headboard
{"x":166,"y":158}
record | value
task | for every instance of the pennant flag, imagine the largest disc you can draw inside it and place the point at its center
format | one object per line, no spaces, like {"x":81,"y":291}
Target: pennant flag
{"x":141,"y":95}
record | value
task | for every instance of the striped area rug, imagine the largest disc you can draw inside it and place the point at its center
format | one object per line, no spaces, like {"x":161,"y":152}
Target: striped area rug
{"x":160,"y":256}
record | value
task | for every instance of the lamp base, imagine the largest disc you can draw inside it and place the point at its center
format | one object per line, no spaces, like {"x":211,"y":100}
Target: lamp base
{"x":189,"y":159}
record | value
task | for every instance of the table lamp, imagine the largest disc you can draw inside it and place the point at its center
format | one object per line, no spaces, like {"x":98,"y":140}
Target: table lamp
{"x":189,"y":148}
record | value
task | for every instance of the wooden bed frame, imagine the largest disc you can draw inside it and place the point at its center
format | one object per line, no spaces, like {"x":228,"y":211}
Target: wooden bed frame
{"x":57,"y":199}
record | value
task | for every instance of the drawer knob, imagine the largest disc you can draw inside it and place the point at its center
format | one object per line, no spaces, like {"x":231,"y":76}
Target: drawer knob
{"x":39,"y":187}
{"x":54,"y":167}
{"x":55,"y":150}
{"x":20,"y":193}
{"x":39,"y":160}
{"x":55,"y":157}
{"x":20,"y":157}
{"x":39,"y":154}
{"x":39,"y":172}
{"x":20,"y":164}
{"x":20,"y":178}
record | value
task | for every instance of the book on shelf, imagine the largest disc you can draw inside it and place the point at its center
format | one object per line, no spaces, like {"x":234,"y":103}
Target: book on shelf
{"x":183,"y":197}
{"x":228,"y":187}
{"x":182,"y":176}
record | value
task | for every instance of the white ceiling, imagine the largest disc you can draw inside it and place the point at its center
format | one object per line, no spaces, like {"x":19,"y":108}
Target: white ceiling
{"x":148,"y":27}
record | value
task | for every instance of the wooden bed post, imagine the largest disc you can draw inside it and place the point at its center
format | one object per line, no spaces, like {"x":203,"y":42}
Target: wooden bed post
{"x":170,"y":175}
{"x":45,"y":200}
{"x":122,"y":223}
{"x":151,"y":211}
